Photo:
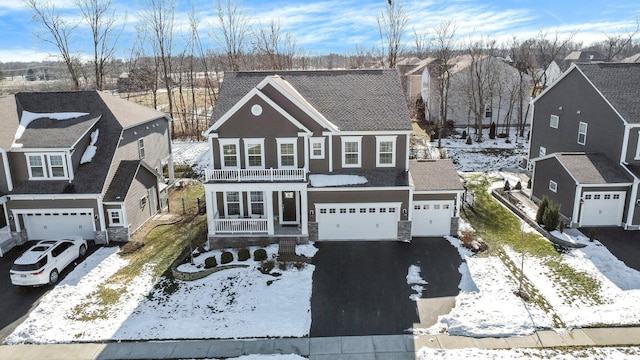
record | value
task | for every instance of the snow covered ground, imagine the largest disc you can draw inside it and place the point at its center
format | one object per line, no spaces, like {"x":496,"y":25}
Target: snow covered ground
{"x":626,"y":353}
{"x":195,"y":153}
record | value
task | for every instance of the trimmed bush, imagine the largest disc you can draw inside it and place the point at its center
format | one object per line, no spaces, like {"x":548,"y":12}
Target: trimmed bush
{"x":267,"y":265}
{"x":592,"y":234}
{"x":562,"y":226}
{"x":518,"y":186}
{"x":541,"y":208}
{"x":260,"y":255}
{"x":469,"y":140}
{"x":551,"y":217}
{"x":464,"y":134}
{"x":243,"y":254}
{"x":226,"y":257}
{"x":210,"y":262}
{"x":507,"y":186}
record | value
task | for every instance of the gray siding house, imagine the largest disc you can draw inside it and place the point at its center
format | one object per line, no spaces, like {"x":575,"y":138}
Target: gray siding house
{"x":321,"y":155}
{"x":80,"y":163}
{"x":585,"y":148}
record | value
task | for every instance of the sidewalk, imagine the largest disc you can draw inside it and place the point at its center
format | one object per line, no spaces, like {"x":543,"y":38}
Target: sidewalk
{"x":392,"y":347}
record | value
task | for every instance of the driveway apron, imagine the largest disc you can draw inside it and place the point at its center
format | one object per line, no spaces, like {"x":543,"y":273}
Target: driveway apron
{"x":623,"y":244}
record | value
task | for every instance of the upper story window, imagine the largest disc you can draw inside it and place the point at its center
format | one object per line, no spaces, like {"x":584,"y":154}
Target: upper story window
{"x":582,"y":133}
{"x":141,"y":152}
{"x":554,"y":120}
{"x":229,"y":154}
{"x":287,"y":152}
{"x":317,"y":147}
{"x":351,"y":151}
{"x":254,"y":153}
{"x":553,"y":186}
{"x":543,"y":151}
{"x":47,"y":166}
{"x":386,"y":151}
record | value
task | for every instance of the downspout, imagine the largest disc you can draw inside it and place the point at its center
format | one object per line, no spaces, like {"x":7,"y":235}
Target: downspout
{"x":7,"y":170}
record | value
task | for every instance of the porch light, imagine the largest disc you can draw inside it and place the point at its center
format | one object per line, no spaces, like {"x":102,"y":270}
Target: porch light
{"x":404,"y":211}
{"x":311,"y":212}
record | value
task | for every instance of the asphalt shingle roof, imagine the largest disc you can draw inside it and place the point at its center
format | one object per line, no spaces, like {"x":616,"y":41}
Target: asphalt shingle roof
{"x":619,"y":83}
{"x":593,"y":168}
{"x":122,"y":180}
{"x":353,"y":100}
{"x":433,"y":175}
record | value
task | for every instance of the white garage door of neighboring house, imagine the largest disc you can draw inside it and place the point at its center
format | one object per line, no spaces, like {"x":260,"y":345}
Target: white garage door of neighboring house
{"x":53,"y":225}
{"x":358,"y":221}
{"x":431,"y":218}
{"x":602,"y":208}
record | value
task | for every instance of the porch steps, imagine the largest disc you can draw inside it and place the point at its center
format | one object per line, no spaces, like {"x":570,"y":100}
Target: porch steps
{"x":287,"y":248}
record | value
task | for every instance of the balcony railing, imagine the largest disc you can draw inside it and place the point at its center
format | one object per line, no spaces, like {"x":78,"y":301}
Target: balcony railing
{"x":240,"y":175}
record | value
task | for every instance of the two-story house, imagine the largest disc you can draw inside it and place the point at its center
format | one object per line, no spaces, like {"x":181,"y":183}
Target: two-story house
{"x":80,"y":163}
{"x":321,"y":155}
{"x":585,"y":145}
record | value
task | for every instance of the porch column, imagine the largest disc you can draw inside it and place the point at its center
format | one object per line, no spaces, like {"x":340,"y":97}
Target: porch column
{"x":211,"y":201}
{"x":305,"y":212}
{"x":268,"y":204}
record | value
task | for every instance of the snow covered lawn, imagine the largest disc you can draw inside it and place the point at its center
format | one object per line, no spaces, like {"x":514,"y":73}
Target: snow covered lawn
{"x":626,"y":353}
{"x":233,"y":303}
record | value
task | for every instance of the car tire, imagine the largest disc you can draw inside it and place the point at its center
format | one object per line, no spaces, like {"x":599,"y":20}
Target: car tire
{"x":54,"y":277}
{"x":82,"y":252}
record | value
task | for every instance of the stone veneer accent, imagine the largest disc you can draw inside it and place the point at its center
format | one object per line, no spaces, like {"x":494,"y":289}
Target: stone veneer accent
{"x":404,"y":230}
{"x":312,"y":227}
{"x":118,"y":234}
{"x":455,"y":226}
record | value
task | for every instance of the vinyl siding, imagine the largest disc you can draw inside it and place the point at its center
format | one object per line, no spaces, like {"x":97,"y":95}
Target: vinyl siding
{"x":551,"y":169}
{"x":137,"y":216}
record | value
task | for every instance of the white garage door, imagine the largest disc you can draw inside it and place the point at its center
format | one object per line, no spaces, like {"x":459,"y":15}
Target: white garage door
{"x":602,"y":208}
{"x":431,"y":218}
{"x":52,"y":225}
{"x":358,"y":221}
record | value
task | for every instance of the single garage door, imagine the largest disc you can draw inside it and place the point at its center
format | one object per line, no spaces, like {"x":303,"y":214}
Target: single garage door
{"x":432,"y":218}
{"x":52,"y":225}
{"x":358,"y":221}
{"x":602,"y":208}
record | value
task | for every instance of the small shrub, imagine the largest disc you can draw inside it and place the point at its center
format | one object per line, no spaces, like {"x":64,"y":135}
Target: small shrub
{"x":282,"y":266}
{"x":551,"y":217}
{"x":592,"y":234}
{"x":529,"y":183}
{"x":507,"y":186}
{"x":260,"y":255}
{"x":210,"y":262}
{"x":492,"y":131}
{"x":464,"y":134}
{"x":267,"y":265}
{"x":562,"y":226}
{"x":518,"y":186}
{"x":244,"y":254}
{"x":541,"y":208}
{"x":469,"y":140}
{"x":226,"y":257}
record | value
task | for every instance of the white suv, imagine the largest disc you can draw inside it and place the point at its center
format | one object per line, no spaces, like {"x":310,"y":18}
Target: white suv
{"x":44,"y":261}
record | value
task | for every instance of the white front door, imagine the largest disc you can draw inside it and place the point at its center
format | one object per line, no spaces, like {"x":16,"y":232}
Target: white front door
{"x":432,"y":218}
{"x":358,"y":221}
{"x":54,"y":225}
{"x":602,"y":208}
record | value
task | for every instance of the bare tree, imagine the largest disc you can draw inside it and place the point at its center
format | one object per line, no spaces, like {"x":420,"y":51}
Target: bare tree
{"x":443,"y":45}
{"x":106,"y":27}
{"x":391,"y":24}
{"x":615,"y":44}
{"x":278,"y":47}
{"x":59,"y":34}
{"x":421,"y":42}
{"x":233,"y":31}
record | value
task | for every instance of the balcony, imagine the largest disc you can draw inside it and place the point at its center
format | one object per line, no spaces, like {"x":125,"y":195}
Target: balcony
{"x":240,"y":226}
{"x":242,"y":175}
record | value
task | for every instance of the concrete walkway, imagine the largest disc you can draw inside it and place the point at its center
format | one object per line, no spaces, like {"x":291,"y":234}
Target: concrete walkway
{"x":396,"y":347}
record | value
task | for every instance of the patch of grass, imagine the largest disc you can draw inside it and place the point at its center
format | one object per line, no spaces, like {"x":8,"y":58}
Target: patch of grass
{"x":575,"y":284}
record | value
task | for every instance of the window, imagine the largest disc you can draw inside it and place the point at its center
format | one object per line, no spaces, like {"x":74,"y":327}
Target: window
{"x":143,"y":202}
{"x":386,"y":149}
{"x":57,"y":167}
{"x":616,"y":196}
{"x":553,"y":186}
{"x":488,"y":111}
{"x":287,"y":153}
{"x":254,"y":155}
{"x":47,"y":166}
{"x":115,"y":217}
{"x":553,"y":121}
{"x":317,"y":148}
{"x":36,"y":166}
{"x":232,"y":203}
{"x":141,"y":148}
{"x":257,"y":202}
{"x":351,"y":154}
{"x":229,"y":153}
{"x":582,"y":133}
{"x":543,"y":151}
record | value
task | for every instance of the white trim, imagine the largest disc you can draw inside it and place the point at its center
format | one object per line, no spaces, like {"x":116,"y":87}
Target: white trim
{"x":316,"y":140}
{"x":364,"y":188}
{"x":251,"y":202}
{"x":47,"y":168}
{"x":394,"y":151}
{"x":7,"y":170}
{"x":367,"y":132}
{"x":221,"y":144}
{"x":637,"y":157}
{"x":240,"y":203}
{"x":553,"y":186}
{"x":407,"y":140}
{"x":119,"y":212}
{"x":42,"y":165}
{"x":53,"y":196}
{"x":429,"y":192}
{"x":551,"y":121}
{"x":287,"y":141}
{"x":247,"y":142}
{"x":343,"y":153}
{"x":577,"y":206}
{"x":64,"y":166}
{"x":586,"y":128}
{"x":296,"y":198}
{"x":330,"y":152}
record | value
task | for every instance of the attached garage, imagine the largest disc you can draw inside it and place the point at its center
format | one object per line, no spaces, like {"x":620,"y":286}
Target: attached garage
{"x":602,"y":208}
{"x":432,"y":218}
{"x":358,"y":221}
{"x":56,"y":224}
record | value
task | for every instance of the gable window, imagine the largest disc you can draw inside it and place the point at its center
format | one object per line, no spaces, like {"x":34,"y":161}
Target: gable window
{"x":386,"y":151}
{"x":553,"y":121}
{"x":229,"y":153}
{"x":287,"y":152}
{"x":582,"y":133}
{"x":141,"y":152}
{"x":115,"y":217}
{"x":47,"y":166}
{"x":254,"y":154}
{"x":36,"y":167}
{"x":317,"y":148}
{"x":232,"y":203}
{"x":543,"y":151}
{"x":553,"y":186}
{"x":257,"y":202}
{"x":351,"y":151}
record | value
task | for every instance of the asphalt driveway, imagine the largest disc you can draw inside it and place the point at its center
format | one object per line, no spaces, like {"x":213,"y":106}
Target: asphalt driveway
{"x":360,"y":288}
{"x":624,"y":244}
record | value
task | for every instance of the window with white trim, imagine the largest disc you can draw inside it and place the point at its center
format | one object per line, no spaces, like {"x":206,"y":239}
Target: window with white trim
{"x":386,"y":151}
{"x":143,"y":202}
{"x":229,"y":154}
{"x":351,"y":151}
{"x":257,"y":202}
{"x":554,"y":120}
{"x":232,"y":203}
{"x":57,"y":166}
{"x":287,"y":152}
{"x":141,"y":152}
{"x":543,"y":151}
{"x":36,"y":167}
{"x":582,"y":133}
{"x":115,"y":217}
{"x":553,"y":186}
{"x":47,"y":166}
{"x":254,"y":153}
{"x":317,"y":147}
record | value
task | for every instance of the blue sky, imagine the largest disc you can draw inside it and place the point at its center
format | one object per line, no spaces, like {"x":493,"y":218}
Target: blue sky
{"x":323,"y":26}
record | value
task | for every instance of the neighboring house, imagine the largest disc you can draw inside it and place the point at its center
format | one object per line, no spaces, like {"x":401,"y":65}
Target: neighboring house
{"x":585,"y":145}
{"x":321,"y":155}
{"x":582,"y":57}
{"x":80,"y":163}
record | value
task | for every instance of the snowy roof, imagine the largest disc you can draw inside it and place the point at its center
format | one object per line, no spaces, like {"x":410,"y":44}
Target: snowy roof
{"x":57,"y":133}
{"x":434,"y":175}
{"x":373,"y":177}
{"x":593,"y":168}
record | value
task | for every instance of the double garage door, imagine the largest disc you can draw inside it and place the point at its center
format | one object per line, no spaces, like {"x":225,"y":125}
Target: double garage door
{"x":54,"y":225}
{"x":602,"y":208}
{"x":358,"y":221}
{"x":432,"y":218}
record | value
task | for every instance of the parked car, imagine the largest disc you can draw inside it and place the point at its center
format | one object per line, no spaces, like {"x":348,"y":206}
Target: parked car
{"x":44,"y":261}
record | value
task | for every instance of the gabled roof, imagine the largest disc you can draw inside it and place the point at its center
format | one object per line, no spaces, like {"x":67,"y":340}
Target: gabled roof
{"x":352,"y":100}
{"x":123,"y":178}
{"x":434,"y":175}
{"x":592,"y":169}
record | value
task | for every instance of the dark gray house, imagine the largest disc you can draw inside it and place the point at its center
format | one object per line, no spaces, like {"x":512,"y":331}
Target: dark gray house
{"x":80,"y":163}
{"x":585,"y":145}
{"x":321,"y":155}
